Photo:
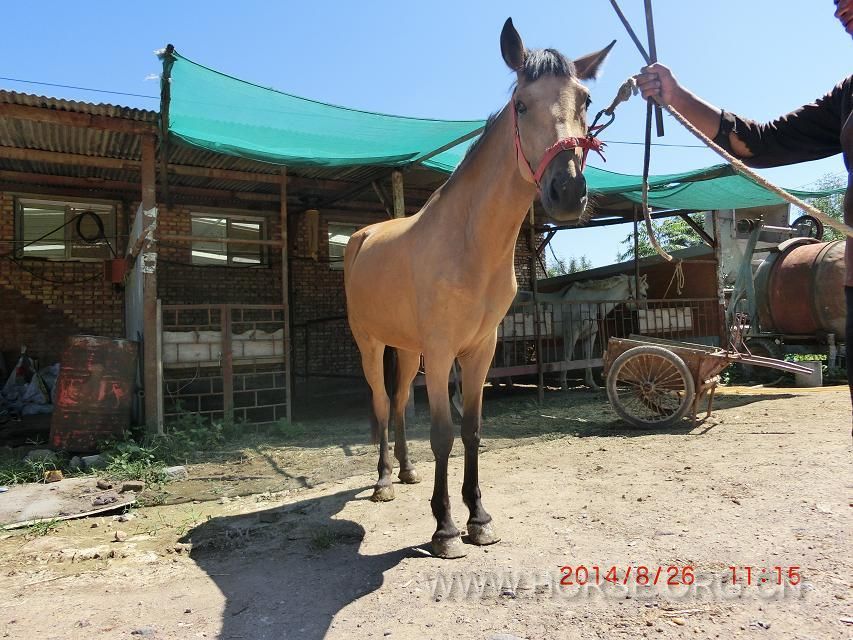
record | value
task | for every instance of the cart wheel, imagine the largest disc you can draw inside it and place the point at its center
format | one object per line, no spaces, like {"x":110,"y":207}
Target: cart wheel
{"x":650,"y":386}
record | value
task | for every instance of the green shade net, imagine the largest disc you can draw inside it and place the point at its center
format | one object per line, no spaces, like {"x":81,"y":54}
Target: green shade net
{"x":715,"y":187}
{"x":214,"y":111}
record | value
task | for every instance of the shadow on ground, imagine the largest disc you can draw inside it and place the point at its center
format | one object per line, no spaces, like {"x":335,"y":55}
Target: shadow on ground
{"x":286,"y":572}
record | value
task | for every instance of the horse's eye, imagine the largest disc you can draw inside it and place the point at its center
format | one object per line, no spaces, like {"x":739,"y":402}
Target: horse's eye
{"x":520,"y":107}
{"x":588,"y":102}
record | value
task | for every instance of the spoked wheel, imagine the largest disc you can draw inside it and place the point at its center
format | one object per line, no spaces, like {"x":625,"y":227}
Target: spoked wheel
{"x":650,"y":387}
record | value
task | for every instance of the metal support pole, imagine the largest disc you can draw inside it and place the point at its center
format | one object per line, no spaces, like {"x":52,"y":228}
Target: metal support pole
{"x":285,"y":299}
{"x":725,"y":331}
{"x":637,"y":249}
{"x":537,"y":330}
{"x":226,"y":356}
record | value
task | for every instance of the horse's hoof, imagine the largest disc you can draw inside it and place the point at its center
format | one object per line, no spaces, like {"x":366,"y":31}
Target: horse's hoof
{"x":383,"y":494}
{"x":482,"y":534}
{"x":409,"y":476}
{"x":448,"y":548}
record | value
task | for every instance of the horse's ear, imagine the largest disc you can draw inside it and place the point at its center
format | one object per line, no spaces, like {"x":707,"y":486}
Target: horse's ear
{"x":512,"y":48}
{"x":588,"y":66}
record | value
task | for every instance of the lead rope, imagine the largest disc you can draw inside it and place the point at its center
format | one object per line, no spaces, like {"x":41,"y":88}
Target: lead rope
{"x":629,"y":88}
{"x":745,"y":171}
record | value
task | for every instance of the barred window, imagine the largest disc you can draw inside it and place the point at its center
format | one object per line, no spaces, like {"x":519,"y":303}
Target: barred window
{"x":339,"y":235}
{"x":63,"y":230}
{"x":217,"y":228}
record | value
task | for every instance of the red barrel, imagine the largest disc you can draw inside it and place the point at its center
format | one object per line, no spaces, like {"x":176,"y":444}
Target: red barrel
{"x":94,"y":392}
{"x":800,"y":289}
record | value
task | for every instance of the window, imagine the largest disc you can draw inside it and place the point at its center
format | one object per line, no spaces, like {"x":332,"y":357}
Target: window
{"x":339,"y":235}
{"x":233,"y":227}
{"x":66,"y":230}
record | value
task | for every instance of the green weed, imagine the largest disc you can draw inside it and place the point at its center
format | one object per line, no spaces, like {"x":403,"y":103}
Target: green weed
{"x":322,"y":539}
{"x":43,"y":528}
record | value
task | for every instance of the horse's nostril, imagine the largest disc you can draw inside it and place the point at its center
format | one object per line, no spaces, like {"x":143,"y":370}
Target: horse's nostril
{"x":554,"y":192}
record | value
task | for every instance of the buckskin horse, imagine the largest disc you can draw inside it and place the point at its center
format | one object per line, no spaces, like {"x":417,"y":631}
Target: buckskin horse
{"x":439,"y":282}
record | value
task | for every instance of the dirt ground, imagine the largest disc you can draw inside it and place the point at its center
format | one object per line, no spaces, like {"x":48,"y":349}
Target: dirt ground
{"x":279,"y":540}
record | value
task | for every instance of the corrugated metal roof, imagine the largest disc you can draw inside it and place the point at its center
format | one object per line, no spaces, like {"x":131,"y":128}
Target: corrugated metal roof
{"x":59,"y":104}
{"x":84,"y":141}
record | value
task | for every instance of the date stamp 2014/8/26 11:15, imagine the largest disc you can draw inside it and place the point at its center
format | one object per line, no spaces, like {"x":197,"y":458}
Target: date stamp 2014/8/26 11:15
{"x":674,"y":575}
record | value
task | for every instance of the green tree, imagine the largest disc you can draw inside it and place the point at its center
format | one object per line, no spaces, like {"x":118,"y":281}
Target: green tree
{"x":559,"y":266}
{"x":671,"y":233}
{"x":832,"y":205}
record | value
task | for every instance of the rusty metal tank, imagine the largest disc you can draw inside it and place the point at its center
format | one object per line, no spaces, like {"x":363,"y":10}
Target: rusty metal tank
{"x":799,"y":289}
{"x":93,"y":392}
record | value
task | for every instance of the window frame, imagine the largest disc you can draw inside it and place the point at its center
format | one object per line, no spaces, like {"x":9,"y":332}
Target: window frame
{"x":232,"y":250}
{"x":338,"y":265}
{"x":98,"y":205}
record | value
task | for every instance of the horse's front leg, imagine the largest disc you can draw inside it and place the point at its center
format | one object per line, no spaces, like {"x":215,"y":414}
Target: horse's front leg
{"x":475,"y":367}
{"x":446,"y":541}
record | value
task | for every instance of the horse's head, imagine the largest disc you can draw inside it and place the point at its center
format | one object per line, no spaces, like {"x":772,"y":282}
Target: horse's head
{"x":549,"y":106}
{"x":633,"y":294}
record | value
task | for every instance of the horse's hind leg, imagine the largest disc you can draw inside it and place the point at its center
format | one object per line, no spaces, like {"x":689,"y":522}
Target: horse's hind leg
{"x":589,"y":344}
{"x":475,"y":367}
{"x":372,"y":352}
{"x":407,"y":368}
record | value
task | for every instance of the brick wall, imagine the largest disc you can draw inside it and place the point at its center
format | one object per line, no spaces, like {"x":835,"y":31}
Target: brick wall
{"x":179,"y":282}
{"x":44,"y":302}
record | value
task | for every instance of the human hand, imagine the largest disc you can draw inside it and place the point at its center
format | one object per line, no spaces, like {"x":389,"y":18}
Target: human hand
{"x":656,"y":82}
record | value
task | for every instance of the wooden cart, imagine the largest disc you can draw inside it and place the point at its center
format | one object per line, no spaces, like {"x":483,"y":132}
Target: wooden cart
{"x":656,"y":383}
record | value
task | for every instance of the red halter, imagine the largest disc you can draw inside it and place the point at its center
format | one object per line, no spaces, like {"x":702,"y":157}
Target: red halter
{"x":566,"y":144}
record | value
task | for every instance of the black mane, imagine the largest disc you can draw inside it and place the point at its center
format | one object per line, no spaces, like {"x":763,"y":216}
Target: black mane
{"x":543,"y":62}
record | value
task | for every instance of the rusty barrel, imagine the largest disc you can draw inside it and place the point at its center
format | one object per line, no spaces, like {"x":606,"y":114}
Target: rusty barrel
{"x":800,"y":289}
{"x":94,"y":392}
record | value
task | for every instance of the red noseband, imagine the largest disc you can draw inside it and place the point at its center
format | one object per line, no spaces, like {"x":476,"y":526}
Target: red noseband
{"x":566,"y":144}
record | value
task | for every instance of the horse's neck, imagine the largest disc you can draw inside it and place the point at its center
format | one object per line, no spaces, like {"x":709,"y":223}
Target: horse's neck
{"x":487,"y":197}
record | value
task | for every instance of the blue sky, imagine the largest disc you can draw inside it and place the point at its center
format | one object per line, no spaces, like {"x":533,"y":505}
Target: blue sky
{"x":441,"y":59}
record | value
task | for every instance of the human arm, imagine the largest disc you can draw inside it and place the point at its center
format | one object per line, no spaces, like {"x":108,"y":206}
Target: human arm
{"x":808,"y":133}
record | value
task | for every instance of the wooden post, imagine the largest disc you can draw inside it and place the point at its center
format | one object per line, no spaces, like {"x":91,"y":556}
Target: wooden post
{"x":399,"y":211}
{"x":398,"y":197}
{"x":165,"y":101}
{"x":148,"y":264}
{"x":159,"y":368}
{"x":285,"y":298}
{"x":537,"y":330}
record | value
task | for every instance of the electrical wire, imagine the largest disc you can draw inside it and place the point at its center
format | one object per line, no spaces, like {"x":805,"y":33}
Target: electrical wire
{"x":70,"y":86}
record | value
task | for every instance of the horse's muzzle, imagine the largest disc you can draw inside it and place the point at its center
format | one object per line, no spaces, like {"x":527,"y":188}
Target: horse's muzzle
{"x":563,"y":195}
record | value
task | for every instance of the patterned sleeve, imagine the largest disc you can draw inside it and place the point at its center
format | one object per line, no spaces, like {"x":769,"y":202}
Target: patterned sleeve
{"x":809,"y":133}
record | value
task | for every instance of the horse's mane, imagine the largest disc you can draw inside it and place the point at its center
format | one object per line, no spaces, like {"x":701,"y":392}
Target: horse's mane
{"x":598,"y":285}
{"x":543,"y":62}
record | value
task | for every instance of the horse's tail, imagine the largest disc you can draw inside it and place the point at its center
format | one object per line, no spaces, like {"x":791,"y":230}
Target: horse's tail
{"x":389,"y":368}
